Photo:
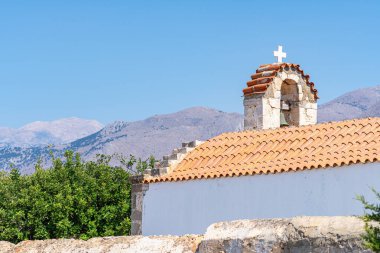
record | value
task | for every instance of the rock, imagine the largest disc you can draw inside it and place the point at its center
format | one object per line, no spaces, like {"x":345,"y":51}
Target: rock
{"x":293,"y":235}
{"x":125,"y":244}
{"x":6,"y":247}
{"x":300,"y":234}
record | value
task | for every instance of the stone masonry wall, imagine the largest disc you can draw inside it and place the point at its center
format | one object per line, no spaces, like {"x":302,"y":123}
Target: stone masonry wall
{"x":294,"y":235}
{"x":262,"y":110}
{"x":137,"y":197}
{"x":253,"y":112}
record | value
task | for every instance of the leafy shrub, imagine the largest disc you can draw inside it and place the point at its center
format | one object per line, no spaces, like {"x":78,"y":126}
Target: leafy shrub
{"x":371,"y":218}
{"x":72,"y":199}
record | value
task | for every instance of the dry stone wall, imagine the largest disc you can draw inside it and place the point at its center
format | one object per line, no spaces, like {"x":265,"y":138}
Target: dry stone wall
{"x":120,"y":244}
{"x":295,"y":235}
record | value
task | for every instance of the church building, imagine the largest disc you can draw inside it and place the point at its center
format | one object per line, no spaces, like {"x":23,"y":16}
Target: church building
{"x":283,"y":164}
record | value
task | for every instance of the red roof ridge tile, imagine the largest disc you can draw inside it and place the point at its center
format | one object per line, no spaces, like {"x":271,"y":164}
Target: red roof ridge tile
{"x":266,"y":73}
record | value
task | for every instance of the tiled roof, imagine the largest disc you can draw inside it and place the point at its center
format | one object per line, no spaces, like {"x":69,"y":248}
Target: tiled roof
{"x":265,"y":75}
{"x":280,"y":150}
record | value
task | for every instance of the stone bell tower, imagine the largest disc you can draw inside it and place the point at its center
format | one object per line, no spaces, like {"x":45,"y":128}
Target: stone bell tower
{"x":279,"y":95}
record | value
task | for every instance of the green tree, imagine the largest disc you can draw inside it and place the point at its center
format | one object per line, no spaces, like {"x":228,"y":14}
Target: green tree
{"x":371,"y":219}
{"x":72,"y":199}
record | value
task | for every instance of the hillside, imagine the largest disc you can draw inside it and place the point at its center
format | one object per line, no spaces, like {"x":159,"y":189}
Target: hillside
{"x":156,"y":135}
{"x":356,"y":104}
{"x":159,"y":134}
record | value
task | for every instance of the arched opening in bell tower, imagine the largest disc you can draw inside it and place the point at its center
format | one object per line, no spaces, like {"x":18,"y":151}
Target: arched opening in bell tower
{"x":290,"y":100}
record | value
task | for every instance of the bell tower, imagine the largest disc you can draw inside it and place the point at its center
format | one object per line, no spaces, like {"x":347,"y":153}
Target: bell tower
{"x":279,"y":95}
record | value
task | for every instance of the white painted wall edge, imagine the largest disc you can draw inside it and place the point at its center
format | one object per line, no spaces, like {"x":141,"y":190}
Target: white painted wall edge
{"x":189,"y":207}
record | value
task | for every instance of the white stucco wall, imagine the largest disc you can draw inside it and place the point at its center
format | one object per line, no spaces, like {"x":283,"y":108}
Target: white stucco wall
{"x":188,"y":207}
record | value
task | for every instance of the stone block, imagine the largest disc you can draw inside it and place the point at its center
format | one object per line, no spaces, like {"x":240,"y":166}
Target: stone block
{"x":282,"y":75}
{"x":274,"y":103}
{"x":164,"y":170}
{"x":185,"y":150}
{"x":271,"y":115}
{"x":308,"y":116}
{"x":155,"y":172}
{"x":174,"y":156}
{"x":136,"y":215}
{"x":171,"y":163}
{"x":139,"y":202}
{"x":136,"y":228}
{"x":133,"y":201}
{"x":294,"y":77}
{"x":137,"y":179}
{"x":310,"y":105}
{"x":195,"y":143}
{"x":277,"y":86}
{"x":253,"y":111}
{"x":164,"y":163}
{"x":136,"y":188}
{"x":145,"y":187}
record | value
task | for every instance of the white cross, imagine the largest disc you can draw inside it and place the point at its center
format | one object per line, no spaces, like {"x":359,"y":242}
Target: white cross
{"x":279,"y":54}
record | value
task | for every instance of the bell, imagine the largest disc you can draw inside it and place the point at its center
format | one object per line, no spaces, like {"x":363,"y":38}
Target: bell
{"x":283,"y":121}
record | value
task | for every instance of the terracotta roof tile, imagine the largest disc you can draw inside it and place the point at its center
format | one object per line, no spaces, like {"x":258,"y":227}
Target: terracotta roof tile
{"x":280,"y":150}
{"x":266,"y":73}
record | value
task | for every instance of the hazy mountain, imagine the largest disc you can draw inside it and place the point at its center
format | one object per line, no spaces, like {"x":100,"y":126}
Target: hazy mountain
{"x":49,"y":132}
{"x":156,"y":135}
{"x":356,"y":104}
{"x":159,"y":134}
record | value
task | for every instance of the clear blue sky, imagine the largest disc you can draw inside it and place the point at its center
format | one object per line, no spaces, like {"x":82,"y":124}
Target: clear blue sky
{"x":127,"y":60}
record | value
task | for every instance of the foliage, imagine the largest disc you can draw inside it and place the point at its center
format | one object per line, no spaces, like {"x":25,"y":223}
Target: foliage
{"x":72,"y":199}
{"x":133,"y":165}
{"x":372,"y":219}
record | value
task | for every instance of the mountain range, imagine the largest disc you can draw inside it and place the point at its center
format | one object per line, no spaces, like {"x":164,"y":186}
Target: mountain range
{"x":49,"y":132}
{"x":156,"y":135}
{"x":359,"y":103}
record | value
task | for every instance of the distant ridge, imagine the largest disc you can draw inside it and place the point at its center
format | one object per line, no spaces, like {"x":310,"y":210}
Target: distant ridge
{"x":355,"y":104}
{"x":159,"y":134}
{"x":49,"y":132}
{"x":156,"y":135}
